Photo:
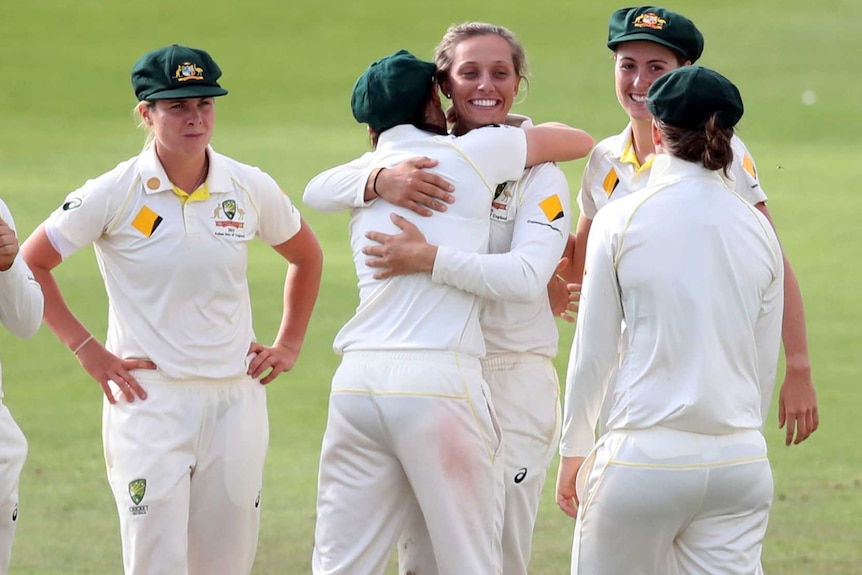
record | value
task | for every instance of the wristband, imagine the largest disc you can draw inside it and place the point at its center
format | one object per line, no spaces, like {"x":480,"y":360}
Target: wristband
{"x":374,"y":185}
{"x":83,"y":343}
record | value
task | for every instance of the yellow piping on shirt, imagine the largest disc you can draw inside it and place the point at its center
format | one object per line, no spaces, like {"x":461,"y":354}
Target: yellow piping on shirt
{"x":112,"y":225}
{"x":248,"y":195}
{"x":488,"y":186}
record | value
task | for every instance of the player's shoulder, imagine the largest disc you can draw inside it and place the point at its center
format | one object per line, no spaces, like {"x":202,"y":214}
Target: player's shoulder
{"x":490,"y":133}
{"x":226,"y":171}
{"x":120,"y":178}
{"x":542,"y":179}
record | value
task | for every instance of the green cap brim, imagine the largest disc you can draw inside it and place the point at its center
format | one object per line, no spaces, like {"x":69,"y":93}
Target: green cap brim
{"x":188,"y":92}
{"x":647,"y":38}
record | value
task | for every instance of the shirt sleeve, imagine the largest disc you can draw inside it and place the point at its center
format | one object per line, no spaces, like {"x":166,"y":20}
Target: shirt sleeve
{"x":86,"y":214}
{"x":498,"y":152}
{"x":767,"y":328}
{"x":21,"y":300}
{"x":743,"y":170}
{"x":278,"y":218}
{"x":586,"y":201}
{"x":595,"y":346}
{"x":541,"y":228}
{"x":340,"y":188}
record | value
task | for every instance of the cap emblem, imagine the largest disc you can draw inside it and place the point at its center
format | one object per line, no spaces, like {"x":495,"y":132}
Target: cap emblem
{"x":189,"y":71}
{"x":650,"y":20}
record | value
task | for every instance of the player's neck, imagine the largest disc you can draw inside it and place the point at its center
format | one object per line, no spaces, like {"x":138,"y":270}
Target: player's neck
{"x":185,"y":172}
{"x":642,"y":139}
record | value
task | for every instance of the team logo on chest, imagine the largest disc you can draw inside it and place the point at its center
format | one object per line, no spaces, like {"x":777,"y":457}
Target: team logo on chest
{"x":229,"y":216}
{"x":500,"y":204}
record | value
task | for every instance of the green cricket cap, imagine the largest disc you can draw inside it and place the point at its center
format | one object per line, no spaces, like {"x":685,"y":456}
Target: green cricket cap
{"x":659,"y":25}
{"x":175,"y":72}
{"x":688,"y":97}
{"x":392,"y":91}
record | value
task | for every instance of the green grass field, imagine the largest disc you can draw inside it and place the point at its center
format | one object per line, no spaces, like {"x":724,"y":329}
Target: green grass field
{"x":65,"y":115}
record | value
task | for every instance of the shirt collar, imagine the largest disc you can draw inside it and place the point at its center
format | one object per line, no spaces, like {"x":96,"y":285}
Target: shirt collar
{"x":626,"y":151}
{"x":155,"y":179}
{"x":666,"y":167}
{"x":402,"y":132}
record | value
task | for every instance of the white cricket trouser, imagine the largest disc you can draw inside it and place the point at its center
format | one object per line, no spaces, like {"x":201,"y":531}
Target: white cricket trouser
{"x":409,"y":429}
{"x":526,"y":395}
{"x":186,"y":469}
{"x":665,"y":502}
{"x":13,"y":452}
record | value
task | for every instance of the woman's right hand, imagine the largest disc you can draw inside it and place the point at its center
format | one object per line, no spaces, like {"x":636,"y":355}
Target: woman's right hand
{"x":102,"y":365}
{"x":410,"y":186}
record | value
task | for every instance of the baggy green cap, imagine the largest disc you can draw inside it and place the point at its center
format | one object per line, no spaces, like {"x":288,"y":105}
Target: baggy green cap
{"x":659,"y":25}
{"x":688,"y":97}
{"x":392,"y":91}
{"x":176,"y":72}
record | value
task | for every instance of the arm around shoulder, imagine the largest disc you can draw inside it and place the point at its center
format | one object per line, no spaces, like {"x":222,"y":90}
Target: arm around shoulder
{"x":556,"y":142}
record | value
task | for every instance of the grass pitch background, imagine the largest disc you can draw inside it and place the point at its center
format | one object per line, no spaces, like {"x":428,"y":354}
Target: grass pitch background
{"x":65,"y":108}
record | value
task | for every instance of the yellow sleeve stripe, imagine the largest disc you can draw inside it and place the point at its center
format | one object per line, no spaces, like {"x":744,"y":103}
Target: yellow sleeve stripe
{"x":553,"y":207}
{"x":611,"y":182}
{"x":748,"y":164}
{"x":146,"y":221}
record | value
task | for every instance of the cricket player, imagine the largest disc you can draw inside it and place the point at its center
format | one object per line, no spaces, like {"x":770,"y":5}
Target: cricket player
{"x":680,"y":483}
{"x":410,"y":421}
{"x":21,"y":305}
{"x":648,"y":42}
{"x":184,"y":424}
{"x":530,"y":218}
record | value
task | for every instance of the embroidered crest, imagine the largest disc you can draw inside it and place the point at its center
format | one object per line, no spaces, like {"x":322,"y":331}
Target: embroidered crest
{"x":137,"y":490}
{"x":650,"y":20}
{"x":500,"y":204}
{"x":188,"y":71}
{"x":229,"y":207}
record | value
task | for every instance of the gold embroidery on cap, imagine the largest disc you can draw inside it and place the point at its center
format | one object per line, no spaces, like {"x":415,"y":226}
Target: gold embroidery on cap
{"x":189,"y":71}
{"x":153,"y":183}
{"x":650,"y":20}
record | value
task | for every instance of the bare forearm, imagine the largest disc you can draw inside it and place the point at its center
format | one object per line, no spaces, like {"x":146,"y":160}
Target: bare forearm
{"x":301,"y":286}
{"x":793,"y":333}
{"x":58,"y":317}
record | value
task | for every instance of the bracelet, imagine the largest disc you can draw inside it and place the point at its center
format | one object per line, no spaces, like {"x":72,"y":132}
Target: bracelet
{"x":374,"y":185}
{"x":83,"y":343}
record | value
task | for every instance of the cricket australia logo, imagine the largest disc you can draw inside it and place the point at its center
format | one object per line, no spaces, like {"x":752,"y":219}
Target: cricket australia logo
{"x":229,"y":216}
{"x":137,"y":491}
{"x":229,"y":207}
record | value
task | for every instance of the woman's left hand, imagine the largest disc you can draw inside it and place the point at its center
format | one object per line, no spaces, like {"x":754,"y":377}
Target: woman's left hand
{"x":564,"y":297}
{"x":276,"y":359}
{"x":400,"y":254}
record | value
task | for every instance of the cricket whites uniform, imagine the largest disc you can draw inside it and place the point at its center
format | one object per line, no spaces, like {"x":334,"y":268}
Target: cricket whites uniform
{"x":530,"y":222}
{"x":410,"y":419}
{"x":185,"y":464}
{"x":613,"y":172}
{"x":21,"y":305}
{"x":680,"y":482}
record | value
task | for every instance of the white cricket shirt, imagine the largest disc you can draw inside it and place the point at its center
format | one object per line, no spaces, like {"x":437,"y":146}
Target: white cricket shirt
{"x":174,"y":271}
{"x":696,"y":273}
{"x":530,"y":222}
{"x":21,"y":300}
{"x":412,"y":312}
{"x":613,"y":172}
